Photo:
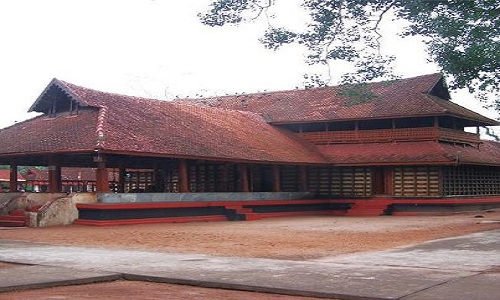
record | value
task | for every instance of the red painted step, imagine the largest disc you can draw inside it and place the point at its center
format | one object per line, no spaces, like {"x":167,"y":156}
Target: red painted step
{"x":368,"y":208}
{"x":17,"y":212}
{"x":13,"y":221}
{"x":151,"y":220}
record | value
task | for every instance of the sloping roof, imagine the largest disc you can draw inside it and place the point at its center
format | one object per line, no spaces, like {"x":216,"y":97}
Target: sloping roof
{"x":129,"y":125}
{"x":418,"y":96}
{"x":132,"y":125}
{"x":51,"y":134}
{"x":426,"y":152}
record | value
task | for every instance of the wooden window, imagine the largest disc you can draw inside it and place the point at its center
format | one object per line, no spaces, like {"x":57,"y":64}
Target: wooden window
{"x":139,"y":181}
{"x":289,"y":178}
{"x":340,"y":181}
{"x":209,"y":177}
{"x":416,"y":181}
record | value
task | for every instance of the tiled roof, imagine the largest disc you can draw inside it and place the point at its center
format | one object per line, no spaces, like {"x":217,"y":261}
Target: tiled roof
{"x":51,"y":134}
{"x":124,"y":124}
{"x":399,"y":98}
{"x":116,"y":123}
{"x":425,"y":152}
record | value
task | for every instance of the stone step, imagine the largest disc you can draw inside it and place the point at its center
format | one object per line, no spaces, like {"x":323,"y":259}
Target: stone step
{"x":13,"y":218}
{"x":258,"y":216}
{"x":11,"y":223}
{"x":17,"y":212}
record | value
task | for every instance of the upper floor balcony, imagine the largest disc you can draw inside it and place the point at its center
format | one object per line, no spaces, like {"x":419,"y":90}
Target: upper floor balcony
{"x":391,"y":135}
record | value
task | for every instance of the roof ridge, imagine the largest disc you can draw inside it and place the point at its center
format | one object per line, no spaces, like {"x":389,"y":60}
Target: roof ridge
{"x":129,"y":97}
{"x":311,"y":89}
{"x":100,"y":129}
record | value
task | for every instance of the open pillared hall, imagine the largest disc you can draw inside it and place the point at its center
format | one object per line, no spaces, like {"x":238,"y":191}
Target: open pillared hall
{"x":390,"y":147}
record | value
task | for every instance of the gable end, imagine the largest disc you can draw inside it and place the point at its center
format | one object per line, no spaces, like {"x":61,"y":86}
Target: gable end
{"x":55,"y":98}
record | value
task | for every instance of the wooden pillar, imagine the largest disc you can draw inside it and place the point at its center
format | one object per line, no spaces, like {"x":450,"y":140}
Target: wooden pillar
{"x":302,"y":179}
{"x":276,"y":179}
{"x":55,"y":185}
{"x":121,"y":179}
{"x":13,"y":178}
{"x":159,"y":180}
{"x":183,"y":177}
{"x":102,"y":177}
{"x":436,"y":122}
{"x":389,"y":181}
{"x":243,"y":176}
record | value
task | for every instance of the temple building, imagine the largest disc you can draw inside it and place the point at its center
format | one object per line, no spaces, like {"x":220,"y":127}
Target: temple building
{"x":397,"y":143}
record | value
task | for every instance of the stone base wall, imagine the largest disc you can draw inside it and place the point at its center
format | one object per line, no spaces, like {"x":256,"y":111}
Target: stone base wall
{"x":199,"y":197}
{"x":59,"y":211}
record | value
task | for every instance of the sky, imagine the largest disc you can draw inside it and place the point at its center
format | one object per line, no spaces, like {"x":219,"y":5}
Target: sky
{"x":156,"y":49}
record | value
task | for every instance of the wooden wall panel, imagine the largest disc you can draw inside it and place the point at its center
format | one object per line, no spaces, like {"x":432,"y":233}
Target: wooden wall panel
{"x":416,"y":181}
{"x":340,"y":181}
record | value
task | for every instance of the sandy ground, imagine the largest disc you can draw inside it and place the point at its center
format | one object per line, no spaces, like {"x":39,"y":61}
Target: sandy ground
{"x":299,"y":238}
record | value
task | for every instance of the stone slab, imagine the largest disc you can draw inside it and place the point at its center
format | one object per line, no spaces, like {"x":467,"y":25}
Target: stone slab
{"x":31,"y":277}
{"x":473,"y":252}
{"x":198,"y":197}
{"x":480,"y":287}
{"x":456,"y":268}
{"x":253,"y":274}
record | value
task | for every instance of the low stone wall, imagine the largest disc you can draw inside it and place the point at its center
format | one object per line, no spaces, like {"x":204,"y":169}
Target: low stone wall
{"x":199,"y":197}
{"x":59,"y":211}
{"x":26,"y":200}
{"x":7,"y":200}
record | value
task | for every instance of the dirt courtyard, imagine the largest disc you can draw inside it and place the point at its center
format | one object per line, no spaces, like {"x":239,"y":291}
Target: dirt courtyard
{"x":294,"y":238}
{"x":297,"y":238}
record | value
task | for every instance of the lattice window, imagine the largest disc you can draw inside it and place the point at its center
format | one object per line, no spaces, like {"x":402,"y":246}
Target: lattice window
{"x":289,"y":178}
{"x":172,"y":180}
{"x":209,"y":178}
{"x":340,"y":181}
{"x":416,"y":181}
{"x":138,"y":181}
{"x":471,"y":180}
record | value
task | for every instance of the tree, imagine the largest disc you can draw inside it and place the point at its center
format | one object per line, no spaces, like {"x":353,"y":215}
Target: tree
{"x":462,"y":36}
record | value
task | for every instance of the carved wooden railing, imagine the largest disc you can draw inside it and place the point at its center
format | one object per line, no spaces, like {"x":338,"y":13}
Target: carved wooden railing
{"x":389,"y":135}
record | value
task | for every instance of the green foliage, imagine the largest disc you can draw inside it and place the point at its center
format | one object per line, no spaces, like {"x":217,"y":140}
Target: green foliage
{"x":356,"y":94}
{"x":463,"y":36}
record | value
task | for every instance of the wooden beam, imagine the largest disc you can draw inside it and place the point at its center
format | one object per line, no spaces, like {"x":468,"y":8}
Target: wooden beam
{"x":183,"y":177}
{"x":13,"y":178}
{"x":276,"y":179}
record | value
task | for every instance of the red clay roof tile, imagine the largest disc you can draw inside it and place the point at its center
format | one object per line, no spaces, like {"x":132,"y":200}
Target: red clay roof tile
{"x":398,"y":98}
{"x":125,"y":124}
{"x":51,"y":134}
{"x":426,"y":152}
